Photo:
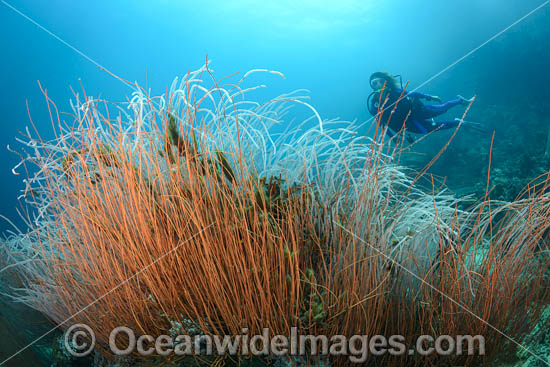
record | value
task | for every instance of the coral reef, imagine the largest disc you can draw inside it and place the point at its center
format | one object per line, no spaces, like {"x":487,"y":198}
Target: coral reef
{"x":186,"y":213}
{"x":538,"y":342}
{"x":518,"y":151}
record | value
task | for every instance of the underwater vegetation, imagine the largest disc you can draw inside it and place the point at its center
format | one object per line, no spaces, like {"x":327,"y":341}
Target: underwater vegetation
{"x":512,"y":101}
{"x":186,"y":213}
{"x":519,"y":154}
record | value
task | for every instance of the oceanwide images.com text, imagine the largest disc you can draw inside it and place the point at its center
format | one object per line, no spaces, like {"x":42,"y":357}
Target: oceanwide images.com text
{"x":80,"y":341}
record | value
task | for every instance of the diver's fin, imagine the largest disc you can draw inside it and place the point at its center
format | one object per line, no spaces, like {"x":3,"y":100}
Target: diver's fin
{"x":465,"y":100}
{"x":477,"y":126}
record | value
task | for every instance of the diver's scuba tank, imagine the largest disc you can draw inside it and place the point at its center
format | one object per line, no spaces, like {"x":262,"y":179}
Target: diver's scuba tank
{"x":372,"y":105}
{"x":400,"y":80}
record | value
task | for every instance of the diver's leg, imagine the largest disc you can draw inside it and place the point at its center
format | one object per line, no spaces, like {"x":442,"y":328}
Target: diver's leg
{"x":430,"y":111}
{"x":431,"y":125}
{"x":417,"y":126}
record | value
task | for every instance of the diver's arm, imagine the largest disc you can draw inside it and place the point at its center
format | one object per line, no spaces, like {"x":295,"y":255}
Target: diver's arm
{"x":427,"y":97}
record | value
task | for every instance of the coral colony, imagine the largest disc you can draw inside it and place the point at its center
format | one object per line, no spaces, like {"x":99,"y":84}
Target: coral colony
{"x":196,"y":211}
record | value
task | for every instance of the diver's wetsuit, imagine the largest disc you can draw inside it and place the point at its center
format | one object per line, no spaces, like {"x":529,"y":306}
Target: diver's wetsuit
{"x":420,"y":119}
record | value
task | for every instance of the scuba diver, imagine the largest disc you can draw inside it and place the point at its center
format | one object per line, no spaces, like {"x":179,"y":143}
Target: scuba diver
{"x":409,"y":112}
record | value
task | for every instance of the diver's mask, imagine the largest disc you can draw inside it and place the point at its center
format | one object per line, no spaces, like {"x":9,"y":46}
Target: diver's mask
{"x":377,"y":84}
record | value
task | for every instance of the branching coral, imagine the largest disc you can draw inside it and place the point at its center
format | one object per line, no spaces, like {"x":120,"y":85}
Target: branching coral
{"x":186,"y":210}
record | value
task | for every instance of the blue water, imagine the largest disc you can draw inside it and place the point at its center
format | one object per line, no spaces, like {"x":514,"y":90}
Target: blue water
{"x":327,"y":47}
